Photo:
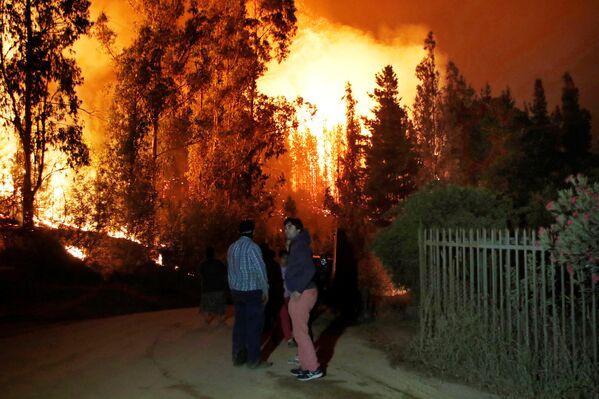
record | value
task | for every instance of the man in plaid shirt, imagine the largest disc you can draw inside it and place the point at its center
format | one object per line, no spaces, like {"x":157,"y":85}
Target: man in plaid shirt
{"x":249,"y":290}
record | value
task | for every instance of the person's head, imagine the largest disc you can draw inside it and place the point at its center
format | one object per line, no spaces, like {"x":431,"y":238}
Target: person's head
{"x":246,"y":228}
{"x":209,"y":253}
{"x":293,"y":226}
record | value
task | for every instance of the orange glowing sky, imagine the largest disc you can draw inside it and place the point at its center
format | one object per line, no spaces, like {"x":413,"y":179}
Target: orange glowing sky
{"x":500,"y":42}
{"x":325,"y":55}
{"x":505,"y":42}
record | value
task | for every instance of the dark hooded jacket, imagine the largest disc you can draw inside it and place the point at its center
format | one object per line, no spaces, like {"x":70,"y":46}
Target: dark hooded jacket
{"x":300,"y":267}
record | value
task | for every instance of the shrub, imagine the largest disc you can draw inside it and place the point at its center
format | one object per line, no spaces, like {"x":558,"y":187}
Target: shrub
{"x":572,"y":238}
{"x":436,"y":206}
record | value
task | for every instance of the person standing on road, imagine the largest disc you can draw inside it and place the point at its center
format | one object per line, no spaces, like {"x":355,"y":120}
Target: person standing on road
{"x":303,"y":294}
{"x":249,"y":291}
{"x":213,"y":274}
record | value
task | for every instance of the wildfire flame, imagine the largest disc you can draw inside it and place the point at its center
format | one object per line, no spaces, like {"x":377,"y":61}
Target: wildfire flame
{"x":76,"y":252}
{"x":394,"y":291}
{"x":7,"y":153}
{"x":323,"y":57}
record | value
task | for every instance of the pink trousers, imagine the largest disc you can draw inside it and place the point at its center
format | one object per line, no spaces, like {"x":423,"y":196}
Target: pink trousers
{"x":299,"y":310}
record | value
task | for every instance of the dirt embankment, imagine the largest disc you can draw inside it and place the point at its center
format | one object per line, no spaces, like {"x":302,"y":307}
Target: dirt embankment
{"x":41,"y":282}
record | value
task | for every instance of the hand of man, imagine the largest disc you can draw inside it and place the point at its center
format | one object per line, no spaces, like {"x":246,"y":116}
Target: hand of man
{"x":264,"y":298}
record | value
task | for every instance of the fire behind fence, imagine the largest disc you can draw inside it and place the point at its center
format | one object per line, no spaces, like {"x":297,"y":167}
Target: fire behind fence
{"x":509,"y":282}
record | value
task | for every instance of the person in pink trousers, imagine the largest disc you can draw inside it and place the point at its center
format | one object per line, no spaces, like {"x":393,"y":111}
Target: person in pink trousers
{"x":303,"y":294}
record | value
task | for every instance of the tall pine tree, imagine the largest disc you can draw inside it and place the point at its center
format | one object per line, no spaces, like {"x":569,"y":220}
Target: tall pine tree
{"x":427,"y":120}
{"x":529,"y":167}
{"x":348,"y":202}
{"x":458,"y":100}
{"x":391,"y":161}
{"x":576,"y":126}
{"x":539,"y":144}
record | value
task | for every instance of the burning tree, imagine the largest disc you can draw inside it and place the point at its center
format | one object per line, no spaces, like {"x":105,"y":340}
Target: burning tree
{"x":427,"y":121}
{"x":189,"y":132}
{"x":38,"y":78}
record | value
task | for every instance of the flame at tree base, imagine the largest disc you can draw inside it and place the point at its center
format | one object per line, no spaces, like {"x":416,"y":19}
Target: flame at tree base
{"x":76,"y":252}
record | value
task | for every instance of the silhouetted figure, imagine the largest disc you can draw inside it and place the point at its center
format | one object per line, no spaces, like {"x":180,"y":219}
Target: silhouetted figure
{"x":213,"y":276}
{"x":346,"y":295}
{"x":275,"y":287}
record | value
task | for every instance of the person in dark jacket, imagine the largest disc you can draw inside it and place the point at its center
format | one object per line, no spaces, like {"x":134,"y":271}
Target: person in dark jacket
{"x":213,"y":274}
{"x":303,"y":294}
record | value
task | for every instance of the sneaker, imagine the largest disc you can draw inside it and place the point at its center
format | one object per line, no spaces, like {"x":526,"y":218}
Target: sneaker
{"x":261,"y":364}
{"x":294,"y":360}
{"x":310,"y":375}
{"x":298,"y":371}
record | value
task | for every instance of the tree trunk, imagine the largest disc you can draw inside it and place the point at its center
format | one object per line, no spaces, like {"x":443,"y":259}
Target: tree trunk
{"x":155,"y":140}
{"x":152,"y":224}
{"x":26,"y":135}
{"x":28,"y":196}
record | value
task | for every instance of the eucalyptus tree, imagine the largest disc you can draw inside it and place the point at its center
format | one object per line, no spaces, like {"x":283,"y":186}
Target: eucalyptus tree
{"x":38,"y":81}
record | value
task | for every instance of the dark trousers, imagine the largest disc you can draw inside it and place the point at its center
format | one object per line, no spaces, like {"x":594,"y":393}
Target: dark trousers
{"x":249,"y":322}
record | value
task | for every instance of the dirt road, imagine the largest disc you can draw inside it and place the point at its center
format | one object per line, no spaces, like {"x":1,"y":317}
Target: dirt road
{"x":174,"y":354}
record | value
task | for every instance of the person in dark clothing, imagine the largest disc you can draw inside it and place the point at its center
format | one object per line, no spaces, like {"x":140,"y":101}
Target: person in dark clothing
{"x":213,"y":275}
{"x":249,"y":290}
{"x":275,"y":288}
{"x":299,"y":280}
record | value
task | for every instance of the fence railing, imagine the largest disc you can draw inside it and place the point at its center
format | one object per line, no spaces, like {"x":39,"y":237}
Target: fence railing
{"x":511,"y":284}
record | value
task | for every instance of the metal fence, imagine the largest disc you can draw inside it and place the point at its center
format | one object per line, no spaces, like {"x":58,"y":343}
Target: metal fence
{"x":510,"y":283}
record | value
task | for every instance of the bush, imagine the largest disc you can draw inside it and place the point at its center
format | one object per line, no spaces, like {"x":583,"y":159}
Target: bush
{"x":572,"y":238}
{"x":436,"y":206}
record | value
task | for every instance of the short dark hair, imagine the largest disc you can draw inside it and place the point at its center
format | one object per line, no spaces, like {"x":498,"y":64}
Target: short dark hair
{"x":246,"y":226}
{"x":294,"y":221}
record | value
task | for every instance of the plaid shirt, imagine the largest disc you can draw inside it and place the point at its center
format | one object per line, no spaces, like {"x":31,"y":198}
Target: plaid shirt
{"x":246,"y":268}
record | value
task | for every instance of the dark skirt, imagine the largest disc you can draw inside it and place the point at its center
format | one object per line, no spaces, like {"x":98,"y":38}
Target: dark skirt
{"x":213,"y":302}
